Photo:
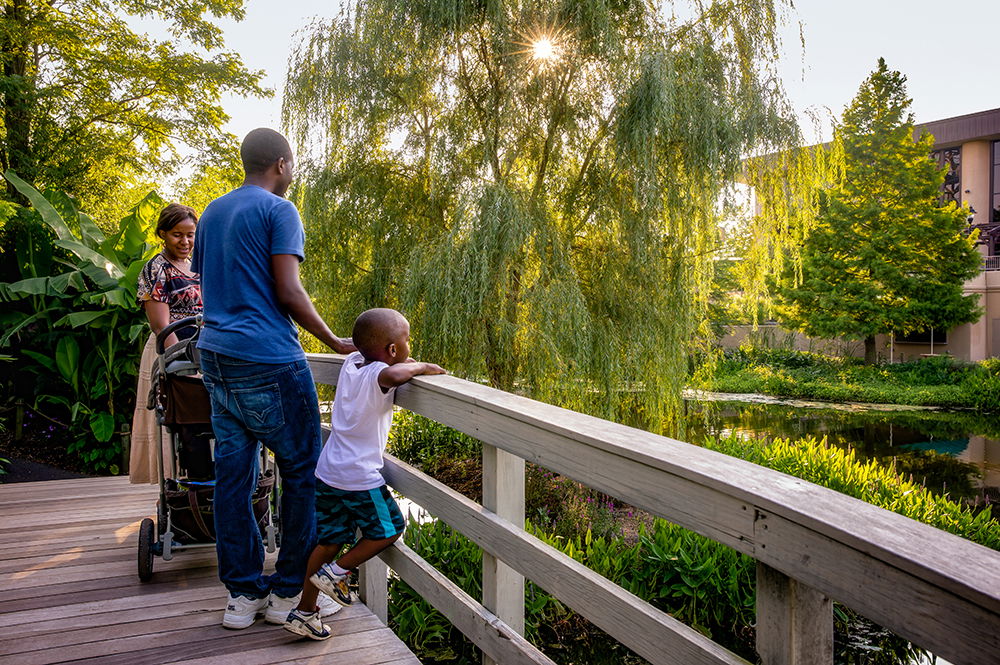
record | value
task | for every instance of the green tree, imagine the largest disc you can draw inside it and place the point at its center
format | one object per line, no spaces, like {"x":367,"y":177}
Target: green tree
{"x":93,"y":108}
{"x":536,"y":184}
{"x":884,"y":256}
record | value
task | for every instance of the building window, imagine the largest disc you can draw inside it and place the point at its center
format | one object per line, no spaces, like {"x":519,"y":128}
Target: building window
{"x":995,"y":184}
{"x":923,"y":337}
{"x":952,"y":188}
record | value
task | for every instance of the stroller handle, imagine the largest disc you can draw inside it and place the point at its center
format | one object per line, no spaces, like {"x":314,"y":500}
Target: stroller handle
{"x":161,"y":337}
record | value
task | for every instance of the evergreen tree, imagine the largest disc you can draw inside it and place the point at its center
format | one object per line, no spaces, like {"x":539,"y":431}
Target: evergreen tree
{"x":535,"y":183}
{"x":884,"y":256}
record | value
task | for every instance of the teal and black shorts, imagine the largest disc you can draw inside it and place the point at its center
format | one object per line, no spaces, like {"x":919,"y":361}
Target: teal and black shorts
{"x":339,"y":513}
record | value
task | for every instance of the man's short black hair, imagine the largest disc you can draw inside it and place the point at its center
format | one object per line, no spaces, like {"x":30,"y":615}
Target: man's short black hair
{"x":262,"y":148}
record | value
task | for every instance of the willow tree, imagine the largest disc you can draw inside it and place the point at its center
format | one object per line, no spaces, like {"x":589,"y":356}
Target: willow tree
{"x":536,"y":184}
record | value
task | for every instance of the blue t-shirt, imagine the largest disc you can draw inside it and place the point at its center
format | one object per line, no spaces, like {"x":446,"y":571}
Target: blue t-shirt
{"x":237,"y":235}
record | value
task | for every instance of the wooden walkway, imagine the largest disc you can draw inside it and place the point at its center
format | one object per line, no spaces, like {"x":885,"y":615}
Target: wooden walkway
{"x":69,"y":591}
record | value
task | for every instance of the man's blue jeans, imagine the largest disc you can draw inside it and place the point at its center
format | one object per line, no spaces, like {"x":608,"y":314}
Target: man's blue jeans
{"x":274,"y":405}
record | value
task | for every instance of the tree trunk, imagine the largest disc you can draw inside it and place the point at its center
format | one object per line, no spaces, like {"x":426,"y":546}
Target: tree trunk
{"x":18,"y":99}
{"x":870,"y":356}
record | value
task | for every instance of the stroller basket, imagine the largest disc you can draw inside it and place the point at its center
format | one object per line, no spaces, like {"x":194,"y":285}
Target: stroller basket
{"x":190,"y":505}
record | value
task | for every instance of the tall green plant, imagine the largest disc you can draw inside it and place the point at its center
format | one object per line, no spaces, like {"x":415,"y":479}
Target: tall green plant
{"x":70,"y":319}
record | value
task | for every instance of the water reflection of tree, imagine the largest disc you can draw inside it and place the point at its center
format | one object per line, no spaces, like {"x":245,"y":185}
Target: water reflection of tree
{"x":881,"y":435}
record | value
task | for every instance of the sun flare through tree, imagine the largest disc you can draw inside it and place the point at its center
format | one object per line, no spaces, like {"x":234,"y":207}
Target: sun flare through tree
{"x":535,"y":184}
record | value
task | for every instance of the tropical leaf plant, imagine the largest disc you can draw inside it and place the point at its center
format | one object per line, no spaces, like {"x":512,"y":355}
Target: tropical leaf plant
{"x":69,"y":317}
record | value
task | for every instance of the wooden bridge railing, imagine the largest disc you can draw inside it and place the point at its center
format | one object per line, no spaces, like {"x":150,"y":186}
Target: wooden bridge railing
{"x":812,"y":545}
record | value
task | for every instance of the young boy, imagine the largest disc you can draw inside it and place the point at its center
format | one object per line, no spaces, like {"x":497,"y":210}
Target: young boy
{"x":351,"y":493}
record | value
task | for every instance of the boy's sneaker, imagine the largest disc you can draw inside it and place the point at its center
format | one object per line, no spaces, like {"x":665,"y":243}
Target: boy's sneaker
{"x":306,"y":623}
{"x":332,"y":584}
{"x":241,"y":611}
{"x":278,"y":607}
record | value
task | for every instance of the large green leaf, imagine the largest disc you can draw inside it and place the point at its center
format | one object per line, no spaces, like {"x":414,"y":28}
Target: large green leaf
{"x":41,"y":359}
{"x":68,"y":359}
{"x":34,"y":286}
{"x":130,"y":281}
{"x":99,"y":276}
{"x":93,"y":237}
{"x":136,"y":330}
{"x":102,"y":425}
{"x":61,"y":283}
{"x":135,"y":228}
{"x":77,"y":319}
{"x":49,"y":214}
{"x":109,"y":263}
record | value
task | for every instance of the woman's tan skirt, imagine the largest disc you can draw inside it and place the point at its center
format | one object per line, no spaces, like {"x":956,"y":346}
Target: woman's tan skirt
{"x":142,"y":461}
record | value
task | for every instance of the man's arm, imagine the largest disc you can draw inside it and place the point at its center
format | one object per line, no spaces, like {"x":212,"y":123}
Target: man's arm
{"x":400,"y":373}
{"x":293,"y":297}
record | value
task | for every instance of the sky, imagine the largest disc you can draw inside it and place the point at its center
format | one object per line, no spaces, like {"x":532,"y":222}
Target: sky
{"x":947,"y":50}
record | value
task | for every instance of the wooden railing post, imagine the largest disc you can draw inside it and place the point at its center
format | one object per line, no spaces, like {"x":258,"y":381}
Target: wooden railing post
{"x":503,"y":494}
{"x":373,"y":588}
{"x":794,"y":621}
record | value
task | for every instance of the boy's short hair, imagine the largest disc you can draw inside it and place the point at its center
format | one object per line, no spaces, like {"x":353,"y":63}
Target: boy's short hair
{"x":261,"y":148}
{"x":375,"y":328}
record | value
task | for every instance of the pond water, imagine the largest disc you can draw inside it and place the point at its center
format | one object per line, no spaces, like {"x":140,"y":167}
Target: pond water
{"x":954,"y":452}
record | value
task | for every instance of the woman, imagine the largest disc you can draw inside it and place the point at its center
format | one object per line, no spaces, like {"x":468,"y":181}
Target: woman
{"x":168,"y":291}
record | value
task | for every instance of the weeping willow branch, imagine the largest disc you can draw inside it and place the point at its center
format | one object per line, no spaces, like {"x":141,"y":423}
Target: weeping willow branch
{"x":551,"y":230}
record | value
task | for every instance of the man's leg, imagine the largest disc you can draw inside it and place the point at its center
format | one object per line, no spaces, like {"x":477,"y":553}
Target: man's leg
{"x":296,"y":445}
{"x":238,"y":543}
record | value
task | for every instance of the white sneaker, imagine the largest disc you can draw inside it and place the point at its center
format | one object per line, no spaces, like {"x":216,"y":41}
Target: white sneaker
{"x":241,"y":611}
{"x":307,"y":624}
{"x":332,"y":584}
{"x":278,"y":608}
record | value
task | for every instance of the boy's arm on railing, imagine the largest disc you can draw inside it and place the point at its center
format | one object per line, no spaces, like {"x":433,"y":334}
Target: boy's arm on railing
{"x":400,"y":373}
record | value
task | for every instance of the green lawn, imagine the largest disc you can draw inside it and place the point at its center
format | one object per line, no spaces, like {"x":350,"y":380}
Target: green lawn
{"x":940,"y":381}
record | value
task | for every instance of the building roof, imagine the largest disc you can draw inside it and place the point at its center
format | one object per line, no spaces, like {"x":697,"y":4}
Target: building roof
{"x":981,"y":126}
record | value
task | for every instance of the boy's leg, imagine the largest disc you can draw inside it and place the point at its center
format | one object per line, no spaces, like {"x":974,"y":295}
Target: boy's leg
{"x":320,"y":555}
{"x":363,"y":550}
{"x":378,"y":517}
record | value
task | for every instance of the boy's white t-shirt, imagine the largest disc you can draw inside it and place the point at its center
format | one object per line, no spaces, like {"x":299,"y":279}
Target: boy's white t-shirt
{"x":362,"y":416}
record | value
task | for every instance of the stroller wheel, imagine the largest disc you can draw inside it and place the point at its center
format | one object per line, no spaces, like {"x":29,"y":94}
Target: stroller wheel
{"x":147,"y":536}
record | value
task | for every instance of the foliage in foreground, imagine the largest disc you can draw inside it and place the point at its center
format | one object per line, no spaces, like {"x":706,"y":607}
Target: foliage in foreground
{"x":701,"y":582}
{"x":70,"y":319}
{"x":885,"y":255}
{"x":546,"y":223}
{"x":941,"y":381}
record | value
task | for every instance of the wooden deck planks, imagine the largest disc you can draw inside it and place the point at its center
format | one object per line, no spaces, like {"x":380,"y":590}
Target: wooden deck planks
{"x":70,"y":591}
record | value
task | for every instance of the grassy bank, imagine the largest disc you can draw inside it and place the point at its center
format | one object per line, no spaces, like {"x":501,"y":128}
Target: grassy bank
{"x":938,"y":381}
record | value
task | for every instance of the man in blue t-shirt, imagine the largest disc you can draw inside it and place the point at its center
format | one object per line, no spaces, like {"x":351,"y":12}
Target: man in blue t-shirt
{"x":247,"y":250}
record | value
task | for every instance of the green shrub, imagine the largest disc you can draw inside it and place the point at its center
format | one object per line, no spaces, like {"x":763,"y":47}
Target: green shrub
{"x":838,"y":469}
{"x":416,"y":440}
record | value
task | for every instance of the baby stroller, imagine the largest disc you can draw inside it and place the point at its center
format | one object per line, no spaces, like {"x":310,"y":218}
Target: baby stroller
{"x":184,"y":516}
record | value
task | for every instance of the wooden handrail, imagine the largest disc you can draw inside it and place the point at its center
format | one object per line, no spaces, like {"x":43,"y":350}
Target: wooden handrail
{"x":939,"y":591}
